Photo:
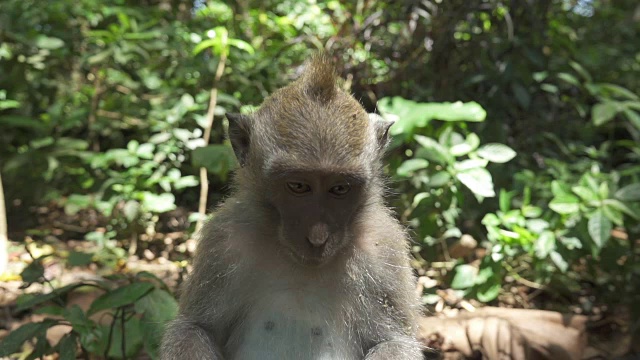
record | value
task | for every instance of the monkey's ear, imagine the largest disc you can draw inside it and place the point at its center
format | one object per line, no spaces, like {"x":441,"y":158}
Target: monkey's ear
{"x":240,"y":135}
{"x":381,"y":127}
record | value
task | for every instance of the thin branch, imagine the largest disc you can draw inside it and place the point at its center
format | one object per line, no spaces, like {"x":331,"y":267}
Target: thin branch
{"x":213,"y":99}
{"x":95,"y":103}
{"x":4,"y":232}
{"x":113,"y":324}
{"x":122,"y":337}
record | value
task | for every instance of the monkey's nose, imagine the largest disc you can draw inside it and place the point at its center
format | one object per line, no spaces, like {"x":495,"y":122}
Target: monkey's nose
{"x":318,"y":235}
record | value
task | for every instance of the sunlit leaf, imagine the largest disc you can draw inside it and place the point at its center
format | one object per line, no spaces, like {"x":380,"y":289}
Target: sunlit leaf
{"x":545,"y":244}
{"x":49,"y":43}
{"x":599,"y":228}
{"x":565,"y":204}
{"x":604,"y":112}
{"x":464,"y":276}
{"x":497,"y":153}
{"x":408,"y":167}
{"x":478,"y":180}
{"x":432,"y":150}
{"x":410,"y":114}
{"x":158,"y":203}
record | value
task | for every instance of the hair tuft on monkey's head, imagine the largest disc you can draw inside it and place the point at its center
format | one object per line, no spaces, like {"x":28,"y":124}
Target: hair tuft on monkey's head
{"x":319,"y":78}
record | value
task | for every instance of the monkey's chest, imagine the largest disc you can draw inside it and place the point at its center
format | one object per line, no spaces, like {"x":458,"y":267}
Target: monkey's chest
{"x":294,"y":326}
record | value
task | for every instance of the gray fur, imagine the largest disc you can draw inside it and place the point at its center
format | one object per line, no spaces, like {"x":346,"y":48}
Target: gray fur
{"x":246,"y":298}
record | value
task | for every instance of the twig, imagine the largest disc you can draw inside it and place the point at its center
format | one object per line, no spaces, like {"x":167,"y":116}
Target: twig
{"x":522,"y":280}
{"x":123,"y":344}
{"x":113,"y":324}
{"x":95,"y":103}
{"x":4,"y":232}
{"x":213,"y":98}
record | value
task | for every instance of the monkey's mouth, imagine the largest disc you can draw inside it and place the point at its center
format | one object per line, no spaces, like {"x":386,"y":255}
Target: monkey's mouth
{"x":309,"y":260}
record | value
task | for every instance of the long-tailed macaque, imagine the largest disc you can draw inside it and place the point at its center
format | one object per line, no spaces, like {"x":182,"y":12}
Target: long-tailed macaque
{"x":304,"y":260}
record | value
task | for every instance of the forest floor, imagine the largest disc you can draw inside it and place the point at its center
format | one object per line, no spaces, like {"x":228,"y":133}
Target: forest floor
{"x":166,"y":253}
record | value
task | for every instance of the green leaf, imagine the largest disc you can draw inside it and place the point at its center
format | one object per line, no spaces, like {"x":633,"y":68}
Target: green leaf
{"x":629,"y":193}
{"x":185,"y":182}
{"x":571,"y":243}
{"x":620,"y":206}
{"x":469,"y":164}
{"x":585,"y":193}
{"x":471,"y":143}
{"x":411,"y":115}
{"x":12,"y":343}
{"x":537,"y":225}
{"x":613,"y":214}
{"x":120,"y":297}
{"x":158,"y":203}
{"x":217,"y":159}
{"x":497,"y":153}
{"x":133,"y":339}
{"x":432,"y":150}
{"x":604,"y":112}
{"x":521,"y":95}
{"x":568,"y":78}
{"x":419,"y":197}
{"x":560,"y":262}
{"x":131,"y":210}
{"x":49,"y":43}
{"x":545,"y":243}
{"x":78,"y":258}
{"x":565,"y":204}
{"x":27,"y":301}
{"x":209,"y":43}
{"x":157,"y":308}
{"x":9,"y":104}
{"x":633,"y":117}
{"x":68,"y":346}
{"x":33,"y":272}
{"x":77,"y":202}
{"x":242,"y":45}
{"x":560,"y":189}
{"x":531,"y":211}
{"x":24,"y":122}
{"x":408,"y":167}
{"x":439,"y":179}
{"x":478,"y":180}
{"x":78,"y":319}
{"x":599,"y":227}
{"x":55,"y":310}
{"x":489,"y":290}
{"x":580,"y":70}
{"x":464,"y":277}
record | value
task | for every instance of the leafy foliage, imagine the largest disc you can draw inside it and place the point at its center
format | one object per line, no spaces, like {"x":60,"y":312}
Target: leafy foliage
{"x":516,"y":124}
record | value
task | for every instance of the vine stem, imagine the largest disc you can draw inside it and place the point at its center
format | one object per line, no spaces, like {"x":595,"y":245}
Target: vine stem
{"x":213,"y":99}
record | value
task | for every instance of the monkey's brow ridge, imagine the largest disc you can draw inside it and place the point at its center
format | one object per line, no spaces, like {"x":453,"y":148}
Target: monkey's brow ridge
{"x":352,"y":176}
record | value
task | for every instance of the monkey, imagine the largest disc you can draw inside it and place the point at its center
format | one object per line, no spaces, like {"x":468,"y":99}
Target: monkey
{"x":303,"y":260}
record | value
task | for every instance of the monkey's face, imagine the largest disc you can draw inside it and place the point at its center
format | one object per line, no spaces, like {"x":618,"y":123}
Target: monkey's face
{"x":316,"y":212}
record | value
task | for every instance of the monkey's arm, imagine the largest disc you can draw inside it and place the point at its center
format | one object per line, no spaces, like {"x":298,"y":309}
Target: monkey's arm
{"x":401,"y":348}
{"x":184,"y":339}
{"x":198,"y":330}
{"x":396,"y":302}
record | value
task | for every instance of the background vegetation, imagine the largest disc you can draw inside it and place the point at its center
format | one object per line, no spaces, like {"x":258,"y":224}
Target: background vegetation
{"x":515,"y":159}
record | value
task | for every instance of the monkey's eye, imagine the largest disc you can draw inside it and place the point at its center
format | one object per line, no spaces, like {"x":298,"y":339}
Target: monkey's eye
{"x":340,"y":190}
{"x":298,"y":187}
